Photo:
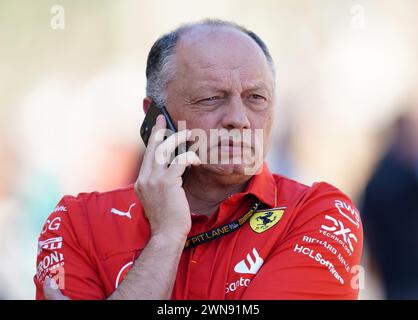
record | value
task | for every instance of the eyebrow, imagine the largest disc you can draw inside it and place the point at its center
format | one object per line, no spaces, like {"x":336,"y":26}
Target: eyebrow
{"x":217,"y":87}
{"x":258,"y":85}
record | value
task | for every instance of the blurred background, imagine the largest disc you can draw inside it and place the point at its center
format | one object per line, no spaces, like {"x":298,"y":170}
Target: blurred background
{"x":72,"y":79}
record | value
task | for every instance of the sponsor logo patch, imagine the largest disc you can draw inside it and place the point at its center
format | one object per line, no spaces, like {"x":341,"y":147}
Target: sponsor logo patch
{"x":48,"y":263}
{"x":60,"y":208}
{"x":349,"y":212}
{"x":250,"y":265}
{"x":242,"y":282}
{"x":319,"y":259}
{"x":265,"y":219}
{"x":50,"y":244}
{"x":52,"y":225}
{"x":123,"y":213}
{"x":339,"y":229}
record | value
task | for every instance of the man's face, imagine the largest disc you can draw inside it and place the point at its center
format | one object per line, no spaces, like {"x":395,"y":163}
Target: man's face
{"x":223,"y":81}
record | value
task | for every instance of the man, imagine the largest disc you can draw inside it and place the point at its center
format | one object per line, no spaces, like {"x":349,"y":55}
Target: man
{"x":393,"y":187}
{"x":223,"y":234}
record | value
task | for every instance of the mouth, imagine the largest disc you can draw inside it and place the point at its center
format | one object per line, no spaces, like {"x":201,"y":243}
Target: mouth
{"x":228,"y":144}
{"x":234,"y":149}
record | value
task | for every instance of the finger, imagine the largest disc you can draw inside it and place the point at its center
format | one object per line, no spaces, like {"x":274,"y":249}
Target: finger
{"x":157,"y":134}
{"x":179,"y":163}
{"x":52,"y":291}
{"x":164,"y":151}
{"x":153,"y":141}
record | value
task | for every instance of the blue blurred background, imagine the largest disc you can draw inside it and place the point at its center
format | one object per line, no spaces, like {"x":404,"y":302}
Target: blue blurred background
{"x":72,"y":79}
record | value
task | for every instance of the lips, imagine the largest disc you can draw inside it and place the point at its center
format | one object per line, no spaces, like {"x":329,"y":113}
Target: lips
{"x":237,"y":144}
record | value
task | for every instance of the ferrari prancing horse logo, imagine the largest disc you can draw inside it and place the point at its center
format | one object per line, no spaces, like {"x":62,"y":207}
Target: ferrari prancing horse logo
{"x":265,"y":219}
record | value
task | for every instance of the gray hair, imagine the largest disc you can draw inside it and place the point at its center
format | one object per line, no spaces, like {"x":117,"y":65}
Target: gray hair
{"x":160,"y":63}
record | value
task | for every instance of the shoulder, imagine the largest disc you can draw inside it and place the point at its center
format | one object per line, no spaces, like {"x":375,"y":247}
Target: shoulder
{"x":322,"y":208}
{"x":289,"y":188}
{"x":317,"y":197}
{"x":97,"y":205}
{"x":329,"y":212}
{"x":324,"y":198}
{"x":106,"y":221}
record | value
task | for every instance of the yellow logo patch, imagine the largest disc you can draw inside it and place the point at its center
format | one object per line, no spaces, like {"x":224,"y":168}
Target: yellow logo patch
{"x":265,"y":219}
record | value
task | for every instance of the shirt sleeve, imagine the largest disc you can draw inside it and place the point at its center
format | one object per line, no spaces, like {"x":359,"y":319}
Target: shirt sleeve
{"x":63,"y":257}
{"x":320,"y":256}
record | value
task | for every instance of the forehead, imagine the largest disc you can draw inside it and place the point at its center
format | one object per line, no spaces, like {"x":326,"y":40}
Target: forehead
{"x":213,"y":54}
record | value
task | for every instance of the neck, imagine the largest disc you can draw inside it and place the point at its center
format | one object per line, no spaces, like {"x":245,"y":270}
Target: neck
{"x":206,"y":191}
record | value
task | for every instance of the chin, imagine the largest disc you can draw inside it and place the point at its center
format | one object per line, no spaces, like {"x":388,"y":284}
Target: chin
{"x":231,"y":170}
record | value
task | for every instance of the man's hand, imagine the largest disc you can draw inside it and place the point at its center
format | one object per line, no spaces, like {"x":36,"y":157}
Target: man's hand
{"x":52,"y":291}
{"x":159,"y":186}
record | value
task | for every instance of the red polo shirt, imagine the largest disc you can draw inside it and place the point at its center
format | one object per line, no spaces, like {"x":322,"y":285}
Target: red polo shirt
{"x":303,"y":243}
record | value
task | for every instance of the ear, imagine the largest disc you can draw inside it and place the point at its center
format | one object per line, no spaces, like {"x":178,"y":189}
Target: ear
{"x":146,"y":103}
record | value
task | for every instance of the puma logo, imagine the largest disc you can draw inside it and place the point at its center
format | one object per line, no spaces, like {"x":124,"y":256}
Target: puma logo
{"x":122,"y":213}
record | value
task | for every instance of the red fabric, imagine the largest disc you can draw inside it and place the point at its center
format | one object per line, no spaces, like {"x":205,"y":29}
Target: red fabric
{"x":312,"y":252}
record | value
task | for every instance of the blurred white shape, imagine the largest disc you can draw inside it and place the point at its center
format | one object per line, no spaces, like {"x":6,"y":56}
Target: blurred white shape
{"x":58,"y":20}
{"x":358,"y":17}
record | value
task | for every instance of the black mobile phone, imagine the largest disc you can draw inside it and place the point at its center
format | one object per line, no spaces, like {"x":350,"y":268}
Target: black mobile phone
{"x":149,"y":121}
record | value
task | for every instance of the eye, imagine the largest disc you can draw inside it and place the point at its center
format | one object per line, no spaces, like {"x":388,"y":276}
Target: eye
{"x":257,"y":102}
{"x":211,"y":99}
{"x":257,"y":97}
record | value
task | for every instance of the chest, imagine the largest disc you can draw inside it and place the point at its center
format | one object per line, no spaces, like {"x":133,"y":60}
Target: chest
{"x":221,"y":268}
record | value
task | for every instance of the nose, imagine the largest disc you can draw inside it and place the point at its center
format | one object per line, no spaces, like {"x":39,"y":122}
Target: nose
{"x":235,"y":115}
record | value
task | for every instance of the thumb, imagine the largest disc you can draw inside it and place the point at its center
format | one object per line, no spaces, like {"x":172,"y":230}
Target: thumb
{"x":52,"y":291}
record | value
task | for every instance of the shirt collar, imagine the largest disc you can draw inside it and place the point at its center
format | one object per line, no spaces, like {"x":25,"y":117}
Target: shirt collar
{"x":263,"y":186}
